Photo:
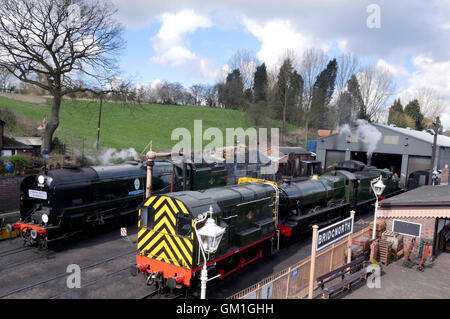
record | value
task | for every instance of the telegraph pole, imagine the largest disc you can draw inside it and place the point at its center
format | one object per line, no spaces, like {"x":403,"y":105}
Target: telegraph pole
{"x":436,"y":124}
{"x":99,"y":123}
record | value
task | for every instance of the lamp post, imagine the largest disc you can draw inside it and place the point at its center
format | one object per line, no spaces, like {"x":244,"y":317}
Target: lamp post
{"x":378,"y":188}
{"x":209,"y":237}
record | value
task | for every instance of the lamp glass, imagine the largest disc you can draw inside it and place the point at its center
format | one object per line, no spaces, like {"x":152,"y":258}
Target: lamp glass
{"x":379,"y":187}
{"x":211,"y":235}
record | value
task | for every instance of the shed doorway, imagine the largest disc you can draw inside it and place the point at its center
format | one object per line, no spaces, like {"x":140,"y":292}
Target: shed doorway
{"x":392,"y":162}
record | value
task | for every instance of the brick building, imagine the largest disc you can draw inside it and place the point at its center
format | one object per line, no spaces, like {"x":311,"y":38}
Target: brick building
{"x":422,"y":213}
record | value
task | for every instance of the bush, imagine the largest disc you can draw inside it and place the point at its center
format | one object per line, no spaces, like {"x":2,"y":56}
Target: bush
{"x":20,"y":162}
{"x":2,"y":166}
{"x":9,"y":117}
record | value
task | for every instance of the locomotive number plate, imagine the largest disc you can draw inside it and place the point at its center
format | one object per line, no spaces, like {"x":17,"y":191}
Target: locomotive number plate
{"x":37,"y":194}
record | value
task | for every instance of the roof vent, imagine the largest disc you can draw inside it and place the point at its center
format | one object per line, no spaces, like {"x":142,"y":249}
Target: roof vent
{"x":392,"y":125}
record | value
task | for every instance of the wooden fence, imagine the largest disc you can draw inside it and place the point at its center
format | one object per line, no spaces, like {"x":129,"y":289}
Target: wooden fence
{"x":294,"y":281}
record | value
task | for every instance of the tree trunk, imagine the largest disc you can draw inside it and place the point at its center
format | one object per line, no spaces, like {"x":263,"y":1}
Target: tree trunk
{"x":53,"y":124}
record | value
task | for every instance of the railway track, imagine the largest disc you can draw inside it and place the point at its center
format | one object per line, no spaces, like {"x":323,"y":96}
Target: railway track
{"x":14,"y":251}
{"x":65,"y":274}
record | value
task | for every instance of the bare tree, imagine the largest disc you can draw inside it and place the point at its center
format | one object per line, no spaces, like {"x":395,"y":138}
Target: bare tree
{"x":5,"y":77}
{"x":313,"y":62}
{"x":197,"y":92}
{"x":246,"y":62}
{"x":72,"y":44}
{"x":377,"y":87}
{"x":431,"y":103}
{"x":210,"y":95}
{"x":348,"y":65}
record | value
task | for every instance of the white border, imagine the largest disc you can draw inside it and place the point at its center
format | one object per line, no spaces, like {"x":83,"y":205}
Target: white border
{"x":336,"y":239}
{"x":404,"y":221}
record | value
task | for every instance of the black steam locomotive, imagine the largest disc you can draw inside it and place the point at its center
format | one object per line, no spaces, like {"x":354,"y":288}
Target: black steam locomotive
{"x":254,"y":216}
{"x":64,"y":202}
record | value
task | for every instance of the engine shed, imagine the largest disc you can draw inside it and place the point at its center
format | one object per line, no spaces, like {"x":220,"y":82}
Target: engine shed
{"x":403,"y":151}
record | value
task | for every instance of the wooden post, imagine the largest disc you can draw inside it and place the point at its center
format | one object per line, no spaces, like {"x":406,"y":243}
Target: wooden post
{"x":332,"y":256}
{"x":313,"y":262}
{"x":289,"y":274}
{"x":349,"y":248}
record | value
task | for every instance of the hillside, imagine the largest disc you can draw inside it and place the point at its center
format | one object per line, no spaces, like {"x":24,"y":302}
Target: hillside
{"x":122,"y":126}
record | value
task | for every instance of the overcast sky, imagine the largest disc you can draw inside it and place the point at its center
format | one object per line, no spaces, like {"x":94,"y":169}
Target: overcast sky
{"x":192,"y":41}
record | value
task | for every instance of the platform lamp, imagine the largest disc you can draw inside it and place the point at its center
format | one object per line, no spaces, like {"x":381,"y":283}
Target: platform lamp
{"x":378,"y":188}
{"x":209,"y":237}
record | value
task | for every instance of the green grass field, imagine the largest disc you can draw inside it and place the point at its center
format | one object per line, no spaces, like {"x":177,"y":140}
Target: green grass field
{"x":126,"y":126}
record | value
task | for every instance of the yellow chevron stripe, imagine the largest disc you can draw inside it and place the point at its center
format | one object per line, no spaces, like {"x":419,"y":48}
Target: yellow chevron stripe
{"x":183,"y":248}
{"x":164,"y":244}
{"x":168,"y":212}
{"x":163,"y":221}
{"x":183,"y":208}
{"x":174,"y":208}
{"x":163,"y":256}
{"x":158,"y":203}
{"x":144,"y":240}
{"x":177,"y":252}
{"x":153,"y":241}
{"x":188,"y":244}
{"x":141,"y":232}
{"x":139,"y":219}
{"x":150,"y":201}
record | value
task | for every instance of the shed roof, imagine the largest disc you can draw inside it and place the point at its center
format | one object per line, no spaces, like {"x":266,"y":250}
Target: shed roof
{"x":12,"y":144}
{"x":32,"y":141}
{"x":422,"y":196}
{"x":442,"y":140}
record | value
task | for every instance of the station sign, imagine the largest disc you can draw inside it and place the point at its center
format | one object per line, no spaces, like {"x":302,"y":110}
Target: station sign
{"x":334,"y":233}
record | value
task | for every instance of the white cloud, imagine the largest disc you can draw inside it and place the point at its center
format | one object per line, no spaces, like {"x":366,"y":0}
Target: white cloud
{"x":394,"y":69}
{"x":430,"y":74}
{"x":171,"y":45}
{"x":277,"y":37}
{"x":175,"y":26}
{"x":155,"y":84}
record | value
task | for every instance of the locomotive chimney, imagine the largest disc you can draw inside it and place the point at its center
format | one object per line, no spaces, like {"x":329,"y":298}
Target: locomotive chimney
{"x":287,"y":179}
{"x":151,"y":156}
